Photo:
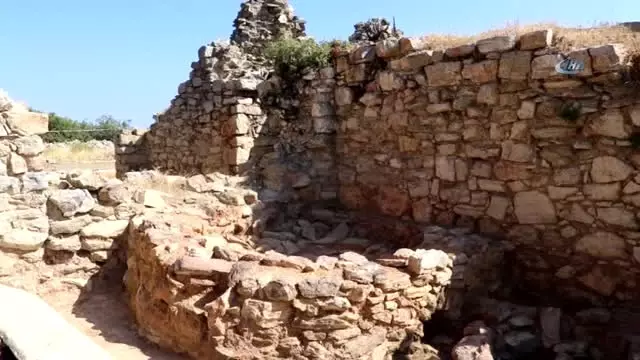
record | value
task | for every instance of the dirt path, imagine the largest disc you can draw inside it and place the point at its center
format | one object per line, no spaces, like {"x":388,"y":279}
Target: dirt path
{"x":104,"y":317}
{"x":102,"y":313}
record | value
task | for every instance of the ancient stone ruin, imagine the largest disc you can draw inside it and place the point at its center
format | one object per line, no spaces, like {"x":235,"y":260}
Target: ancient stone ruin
{"x":402,"y":202}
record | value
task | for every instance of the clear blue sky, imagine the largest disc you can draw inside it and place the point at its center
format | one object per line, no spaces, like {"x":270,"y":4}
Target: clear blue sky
{"x":85,"y":58}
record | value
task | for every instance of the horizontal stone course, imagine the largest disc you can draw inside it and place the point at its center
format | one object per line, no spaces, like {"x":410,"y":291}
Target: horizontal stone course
{"x":278,"y":305}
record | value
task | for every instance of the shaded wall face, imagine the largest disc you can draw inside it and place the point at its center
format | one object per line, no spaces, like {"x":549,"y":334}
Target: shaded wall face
{"x":285,"y":143}
{"x":479,"y":138}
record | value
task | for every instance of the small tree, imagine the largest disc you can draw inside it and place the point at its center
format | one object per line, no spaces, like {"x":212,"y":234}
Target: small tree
{"x":64,"y":129}
{"x":291,"y":57}
{"x":111,"y":127}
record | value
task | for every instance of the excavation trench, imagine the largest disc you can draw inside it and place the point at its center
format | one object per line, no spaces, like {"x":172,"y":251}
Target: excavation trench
{"x":306,"y":283}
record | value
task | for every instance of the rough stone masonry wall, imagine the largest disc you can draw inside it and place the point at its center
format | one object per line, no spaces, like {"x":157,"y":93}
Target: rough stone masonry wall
{"x":472,"y":136}
{"x":214,"y":121}
{"x":74,"y":219}
{"x":228,"y":118}
{"x":210,"y":296}
{"x":131,"y":152}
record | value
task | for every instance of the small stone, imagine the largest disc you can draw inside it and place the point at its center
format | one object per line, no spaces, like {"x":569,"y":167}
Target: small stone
{"x":354,"y":258}
{"x":522,"y":342}
{"x":23,"y":240}
{"x":105,"y":229}
{"x":72,"y":202}
{"x":423,"y":261}
{"x":550,"y":322}
{"x":68,"y":243}
{"x":607,"y":57}
{"x":474,"y":347}
{"x":602,"y":245}
{"x":280,"y":290}
{"x":533,"y":207}
{"x":444,"y":73}
{"x":496,"y":44}
{"x":151,"y":198}
{"x":86,"y":179}
{"x":605,"y":169}
{"x":536,"y":39}
{"x":96,"y":244}
{"x":315,"y":287}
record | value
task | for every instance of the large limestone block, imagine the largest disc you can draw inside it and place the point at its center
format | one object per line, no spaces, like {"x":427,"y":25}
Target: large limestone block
{"x":602,"y":245}
{"x":23,"y":240}
{"x":28,"y":123}
{"x":534,"y":207}
{"x":35,"y":331}
{"x":105,"y":229}
{"x":605,"y":169}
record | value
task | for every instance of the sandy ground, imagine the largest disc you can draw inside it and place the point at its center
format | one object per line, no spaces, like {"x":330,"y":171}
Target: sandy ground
{"x":104,"y":317}
{"x":101,"y":312}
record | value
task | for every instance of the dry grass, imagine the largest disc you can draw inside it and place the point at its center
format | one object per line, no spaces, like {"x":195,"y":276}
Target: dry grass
{"x":77,"y":152}
{"x":565,"y":38}
{"x":168,"y":184}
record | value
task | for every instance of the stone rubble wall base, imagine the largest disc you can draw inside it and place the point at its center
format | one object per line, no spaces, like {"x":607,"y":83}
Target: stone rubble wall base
{"x":35,"y":331}
{"x":190,"y":294}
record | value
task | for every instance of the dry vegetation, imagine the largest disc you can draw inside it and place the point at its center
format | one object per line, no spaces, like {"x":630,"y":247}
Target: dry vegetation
{"x":168,"y":184}
{"x":565,"y":38}
{"x":78,"y":152}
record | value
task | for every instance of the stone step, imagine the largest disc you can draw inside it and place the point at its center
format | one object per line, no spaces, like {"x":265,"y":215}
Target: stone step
{"x":35,"y":331}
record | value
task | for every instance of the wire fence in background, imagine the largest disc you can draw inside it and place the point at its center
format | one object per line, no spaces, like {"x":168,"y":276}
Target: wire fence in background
{"x":79,"y":130}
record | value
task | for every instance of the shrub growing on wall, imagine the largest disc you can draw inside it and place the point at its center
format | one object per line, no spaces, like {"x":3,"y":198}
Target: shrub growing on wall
{"x":291,"y":57}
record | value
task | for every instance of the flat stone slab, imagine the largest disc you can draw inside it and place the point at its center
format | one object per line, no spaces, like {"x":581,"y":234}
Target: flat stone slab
{"x":35,"y":331}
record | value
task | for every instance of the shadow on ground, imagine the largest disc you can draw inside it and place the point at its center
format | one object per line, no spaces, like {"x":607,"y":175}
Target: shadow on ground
{"x":104,"y":306}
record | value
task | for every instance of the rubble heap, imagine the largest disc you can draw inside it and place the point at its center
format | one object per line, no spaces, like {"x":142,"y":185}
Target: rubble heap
{"x":260,"y":21}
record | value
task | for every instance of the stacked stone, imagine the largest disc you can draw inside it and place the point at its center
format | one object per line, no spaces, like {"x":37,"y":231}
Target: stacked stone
{"x":208,"y":128}
{"x":474,"y":136}
{"x":471,"y":136}
{"x":23,"y":221}
{"x":132,"y":151}
{"x":272,"y":305}
{"x":301,"y":161}
{"x":222,"y":120}
{"x":260,"y":21}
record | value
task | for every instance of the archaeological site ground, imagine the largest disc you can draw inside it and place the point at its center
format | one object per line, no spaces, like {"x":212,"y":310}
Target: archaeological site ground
{"x":380,"y":198}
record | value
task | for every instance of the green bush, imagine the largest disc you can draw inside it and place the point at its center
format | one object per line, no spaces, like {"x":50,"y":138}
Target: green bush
{"x":570,"y":111}
{"x":66,"y":129}
{"x":291,"y":57}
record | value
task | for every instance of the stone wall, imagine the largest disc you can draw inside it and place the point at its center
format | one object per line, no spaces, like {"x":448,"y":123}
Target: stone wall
{"x":214,"y":121}
{"x":74,"y":218}
{"x":131,"y":152}
{"x":476,"y":136}
{"x":484,"y":136}
{"x":229,"y":118}
{"x":212,"y":296}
